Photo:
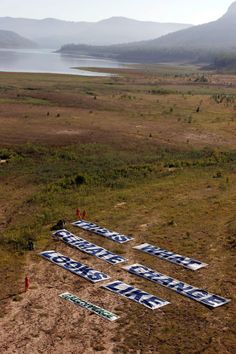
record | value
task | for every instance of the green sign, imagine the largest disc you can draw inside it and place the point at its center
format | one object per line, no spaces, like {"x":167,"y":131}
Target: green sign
{"x":93,"y":308}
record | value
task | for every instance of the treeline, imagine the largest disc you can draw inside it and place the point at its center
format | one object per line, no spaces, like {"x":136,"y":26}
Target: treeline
{"x":226,"y":61}
{"x":132,"y":53}
{"x":138,"y":54}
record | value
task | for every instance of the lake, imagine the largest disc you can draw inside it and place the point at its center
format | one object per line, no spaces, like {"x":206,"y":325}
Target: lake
{"x":46,"y":61}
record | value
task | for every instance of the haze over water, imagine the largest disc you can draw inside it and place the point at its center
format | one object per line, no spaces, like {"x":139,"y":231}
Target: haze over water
{"x":46,"y":61}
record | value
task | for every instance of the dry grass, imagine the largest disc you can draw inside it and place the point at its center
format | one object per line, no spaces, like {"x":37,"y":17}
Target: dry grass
{"x":154,"y":168}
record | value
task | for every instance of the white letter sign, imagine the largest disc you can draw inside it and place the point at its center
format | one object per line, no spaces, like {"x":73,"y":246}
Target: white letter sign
{"x":135,"y":294}
{"x":114,"y":236}
{"x":90,"y":307}
{"x":182,"y":288}
{"x":75,"y":267}
{"x":89,"y":248}
{"x":186,"y":262}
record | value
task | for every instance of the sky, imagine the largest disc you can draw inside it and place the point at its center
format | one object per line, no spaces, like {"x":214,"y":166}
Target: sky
{"x":181,"y":11}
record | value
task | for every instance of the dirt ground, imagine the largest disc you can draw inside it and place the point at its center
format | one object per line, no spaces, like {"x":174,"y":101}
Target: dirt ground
{"x":38,"y":321}
{"x":61,"y":110}
{"x":188,"y":208}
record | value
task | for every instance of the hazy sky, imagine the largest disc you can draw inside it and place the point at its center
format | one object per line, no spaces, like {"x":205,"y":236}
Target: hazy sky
{"x":185,"y":11}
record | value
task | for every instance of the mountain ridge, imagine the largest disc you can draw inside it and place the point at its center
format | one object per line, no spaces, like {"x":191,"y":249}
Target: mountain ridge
{"x":216,"y":34}
{"x":199,"y":43}
{"x":11,"y":40}
{"x":53,"y":33}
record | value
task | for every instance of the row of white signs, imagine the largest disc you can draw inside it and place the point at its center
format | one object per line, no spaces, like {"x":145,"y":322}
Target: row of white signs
{"x":110,"y":257}
{"x":95,"y":276}
{"x":131,"y":292}
{"x":118,"y":287}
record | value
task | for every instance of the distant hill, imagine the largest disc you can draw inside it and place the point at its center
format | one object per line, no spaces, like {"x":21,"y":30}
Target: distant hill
{"x":53,"y":33}
{"x":199,"y":43}
{"x":220,"y":34}
{"x":9,"y":39}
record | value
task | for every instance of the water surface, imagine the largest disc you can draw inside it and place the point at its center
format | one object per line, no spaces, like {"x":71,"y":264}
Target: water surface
{"x":47,"y":61}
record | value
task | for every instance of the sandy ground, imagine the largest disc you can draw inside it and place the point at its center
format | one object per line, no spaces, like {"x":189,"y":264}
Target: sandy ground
{"x":40,"y":322}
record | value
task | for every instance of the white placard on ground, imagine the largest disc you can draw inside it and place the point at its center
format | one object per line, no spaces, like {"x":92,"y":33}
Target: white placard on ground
{"x":88,"y":247}
{"x":114,"y":236}
{"x":197,"y":294}
{"x":90,"y":307}
{"x":135,"y":294}
{"x":186,"y":262}
{"x":75,"y":267}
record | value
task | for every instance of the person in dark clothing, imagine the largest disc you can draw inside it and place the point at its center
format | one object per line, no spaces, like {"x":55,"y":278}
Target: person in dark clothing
{"x":59,"y":226}
{"x":31,"y":245}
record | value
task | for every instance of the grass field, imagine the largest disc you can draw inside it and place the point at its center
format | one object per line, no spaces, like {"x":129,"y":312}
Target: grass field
{"x":149,"y":152}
